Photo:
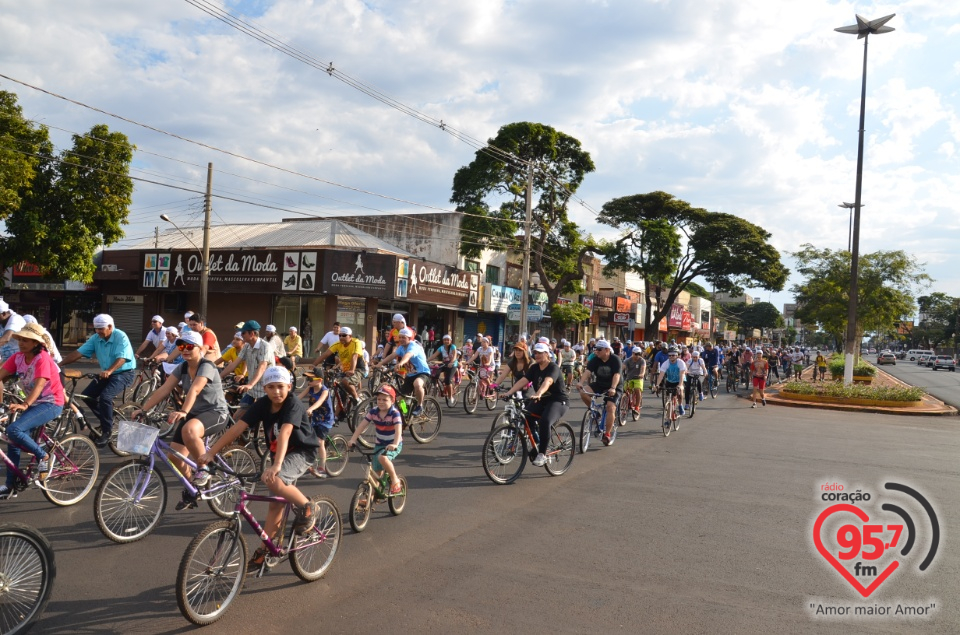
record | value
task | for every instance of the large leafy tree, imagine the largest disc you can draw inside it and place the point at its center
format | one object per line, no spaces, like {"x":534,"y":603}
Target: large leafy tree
{"x":938,"y":318}
{"x":20,"y":145}
{"x":491,"y":193}
{"x":670,"y":243}
{"x":887,"y":283}
{"x":70,"y":204}
{"x":760,"y":315}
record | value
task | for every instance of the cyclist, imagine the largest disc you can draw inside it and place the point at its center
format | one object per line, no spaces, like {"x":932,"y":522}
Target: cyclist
{"x":549,"y":396}
{"x":204,"y":410}
{"x":40,"y":379}
{"x":168,"y":349}
{"x":733,"y":363}
{"x":10,"y":322}
{"x":696,"y":371}
{"x":231,"y":353}
{"x":673,"y":372}
{"x":258,"y":356}
{"x":606,"y":370}
{"x":746,"y":358}
{"x":448,"y":354}
{"x":759,"y":368}
{"x":517,"y":364}
{"x":484,"y":355}
{"x":411,"y":352}
{"x":211,"y":347}
{"x":111,"y":346}
{"x":350,"y":354}
{"x":320,"y":411}
{"x":293,"y":449}
{"x":155,"y":335}
{"x":293,"y":344}
{"x":389,"y":424}
{"x":635,"y":368}
{"x":711,"y":359}
{"x":568,"y":357}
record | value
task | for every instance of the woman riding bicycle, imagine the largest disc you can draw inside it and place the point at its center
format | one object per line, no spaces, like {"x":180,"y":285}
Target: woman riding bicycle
{"x":447,"y":354}
{"x":549,"y":397}
{"x":40,"y":379}
{"x":204,"y":410}
{"x":517,"y":365}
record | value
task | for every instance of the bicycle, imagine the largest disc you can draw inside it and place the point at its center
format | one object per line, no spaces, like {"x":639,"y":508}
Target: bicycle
{"x":424,"y":427}
{"x":671,"y":408}
{"x":505,"y":451}
{"x":214,"y":565}
{"x":73,"y":465}
{"x":595,"y":422}
{"x":732,"y":378}
{"x":693,"y":389}
{"x":713,"y":384}
{"x":132,"y":497}
{"x":374,"y":489}
{"x":438,"y":388}
{"x":479,"y":388}
{"x":148,"y":379}
{"x":28,"y":570}
{"x":631,"y":402}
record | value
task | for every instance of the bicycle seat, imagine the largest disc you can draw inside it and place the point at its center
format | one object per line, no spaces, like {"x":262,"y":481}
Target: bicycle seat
{"x":73,"y":373}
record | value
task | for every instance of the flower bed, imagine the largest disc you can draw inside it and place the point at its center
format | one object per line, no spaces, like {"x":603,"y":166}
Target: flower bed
{"x":855,"y":394}
{"x":860,"y":369}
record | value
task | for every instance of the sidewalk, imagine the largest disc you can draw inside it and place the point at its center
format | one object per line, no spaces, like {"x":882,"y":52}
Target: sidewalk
{"x":931,"y":405}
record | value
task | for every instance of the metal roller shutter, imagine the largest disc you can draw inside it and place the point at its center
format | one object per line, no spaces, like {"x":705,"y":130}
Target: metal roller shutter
{"x":129,"y":319}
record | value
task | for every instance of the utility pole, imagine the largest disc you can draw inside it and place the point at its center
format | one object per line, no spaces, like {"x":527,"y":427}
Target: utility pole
{"x":525,"y":281}
{"x":205,"y":272}
{"x":156,"y":237}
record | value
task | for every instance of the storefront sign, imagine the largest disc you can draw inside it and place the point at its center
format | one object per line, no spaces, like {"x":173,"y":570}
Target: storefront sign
{"x":602,"y":302}
{"x":622,"y":305}
{"x":621,"y":318}
{"x":587,"y":301}
{"x":534,"y":312}
{"x":497,"y":299}
{"x":437,"y":284}
{"x":675,"y":319}
{"x":24,"y":269}
{"x":358,"y":274}
{"x":237,"y":271}
{"x":687,"y":321}
{"x":124,"y":299}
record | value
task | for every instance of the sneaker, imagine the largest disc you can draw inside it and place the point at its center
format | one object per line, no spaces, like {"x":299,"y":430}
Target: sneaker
{"x":540,"y":460}
{"x":43,"y":466}
{"x":764,"y":401}
{"x":754,"y":405}
{"x":318,"y":472}
{"x":259,"y":558}
{"x":102,"y":441}
{"x":605,"y":439}
{"x":306,"y":518}
{"x":701,"y":397}
{"x":187,"y":501}
{"x":416,"y":412}
{"x":683,"y":411}
{"x":202,"y":477}
{"x":6,"y":492}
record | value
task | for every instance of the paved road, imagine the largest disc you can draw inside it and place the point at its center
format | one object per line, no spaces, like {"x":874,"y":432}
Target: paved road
{"x":942,"y":384}
{"x":707,"y":531}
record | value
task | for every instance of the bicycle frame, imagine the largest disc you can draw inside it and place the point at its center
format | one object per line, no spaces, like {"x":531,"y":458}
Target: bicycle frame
{"x":521,"y":411}
{"x":161,"y":448}
{"x":275,"y":550}
{"x":63,"y":465}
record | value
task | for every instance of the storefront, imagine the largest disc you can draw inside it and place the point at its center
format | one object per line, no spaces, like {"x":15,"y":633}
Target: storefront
{"x":65,"y":308}
{"x":496,"y":304}
{"x":441,"y":298}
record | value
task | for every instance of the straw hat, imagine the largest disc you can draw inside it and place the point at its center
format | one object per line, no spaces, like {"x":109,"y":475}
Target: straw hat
{"x":33,"y":332}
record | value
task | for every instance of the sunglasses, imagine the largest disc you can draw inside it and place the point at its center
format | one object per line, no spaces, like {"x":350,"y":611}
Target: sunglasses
{"x":344,"y":336}
{"x":186,"y":347}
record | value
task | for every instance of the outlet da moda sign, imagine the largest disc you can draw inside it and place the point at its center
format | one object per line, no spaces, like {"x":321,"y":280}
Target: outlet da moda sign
{"x":422,"y":281}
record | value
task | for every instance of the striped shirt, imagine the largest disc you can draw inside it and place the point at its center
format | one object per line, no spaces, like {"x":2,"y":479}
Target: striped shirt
{"x":386,"y":425}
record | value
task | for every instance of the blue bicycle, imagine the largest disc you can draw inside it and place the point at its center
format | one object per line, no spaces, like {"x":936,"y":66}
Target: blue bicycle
{"x":595,"y":422}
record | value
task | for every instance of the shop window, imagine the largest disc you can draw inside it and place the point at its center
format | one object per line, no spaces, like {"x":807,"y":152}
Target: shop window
{"x":493,"y":274}
{"x":175,"y":303}
{"x":471,"y":265}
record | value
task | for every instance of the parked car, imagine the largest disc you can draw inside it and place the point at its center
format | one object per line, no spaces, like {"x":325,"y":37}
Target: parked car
{"x":886,"y":358}
{"x":928,"y":362}
{"x":944,"y":361}
{"x":922,"y":358}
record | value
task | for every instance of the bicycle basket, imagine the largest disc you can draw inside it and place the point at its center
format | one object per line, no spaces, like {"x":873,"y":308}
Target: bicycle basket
{"x":136,"y":438}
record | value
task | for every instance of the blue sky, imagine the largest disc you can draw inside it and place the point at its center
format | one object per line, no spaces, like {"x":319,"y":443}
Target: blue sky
{"x":746,"y":107}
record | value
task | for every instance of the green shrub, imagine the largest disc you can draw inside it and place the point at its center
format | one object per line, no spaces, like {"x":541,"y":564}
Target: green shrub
{"x":860,"y":369}
{"x":855,"y":391}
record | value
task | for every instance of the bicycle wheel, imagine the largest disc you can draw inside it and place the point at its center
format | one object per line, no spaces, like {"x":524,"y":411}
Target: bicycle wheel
{"x":499,"y":419}
{"x":397,"y":502}
{"x":27,"y":572}
{"x":675,"y":414}
{"x":130,"y":501}
{"x":452,"y":398}
{"x":239,"y":459}
{"x":312,"y":553}
{"x":623,"y":409}
{"x":665,"y":421}
{"x":470,"y":398}
{"x":142,"y":391}
{"x":425,"y":428}
{"x":299,"y":380}
{"x":586,"y":431}
{"x":504,"y":454}
{"x":491,"y":398}
{"x":714,"y":387}
{"x":211,"y":572}
{"x":694,"y":398}
{"x":369,"y":436}
{"x":337,"y":456}
{"x":76,"y":465}
{"x":63,"y":425}
{"x":360,"y":506}
{"x":562,"y":447}
{"x":259,"y":442}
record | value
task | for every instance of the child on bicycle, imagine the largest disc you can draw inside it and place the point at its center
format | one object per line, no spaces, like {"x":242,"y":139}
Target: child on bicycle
{"x":293,"y":449}
{"x":636,"y":368}
{"x":389,"y":433}
{"x":320,"y":411}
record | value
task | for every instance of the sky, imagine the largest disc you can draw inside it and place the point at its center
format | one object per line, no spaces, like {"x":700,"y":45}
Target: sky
{"x":747,"y":107}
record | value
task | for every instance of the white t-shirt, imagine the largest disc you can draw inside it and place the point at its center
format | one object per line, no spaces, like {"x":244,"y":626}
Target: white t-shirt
{"x":486,"y":355}
{"x":330,"y":339}
{"x":696,"y":367}
{"x":157,"y":338}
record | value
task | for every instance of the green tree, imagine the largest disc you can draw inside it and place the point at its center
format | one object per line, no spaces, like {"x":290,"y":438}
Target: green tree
{"x":762,"y":315}
{"x":491,"y":192}
{"x":563,"y":315}
{"x":79,"y":198}
{"x":887,"y":284}
{"x":20,"y":145}
{"x":670,"y":243}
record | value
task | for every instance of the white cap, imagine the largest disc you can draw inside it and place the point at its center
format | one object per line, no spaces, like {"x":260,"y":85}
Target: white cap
{"x":446,"y":336}
{"x":29,"y":319}
{"x":4,"y":307}
{"x":344,"y":330}
{"x":191,"y":337}
{"x":186,"y":316}
{"x":172,"y":329}
{"x":101,"y":321}
{"x":399,"y":318}
{"x":696,"y":353}
{"x":272,"y":329}
{"x":292,"y":328}
{"x":276,"y":375}
{"x":602,"y":344}
{"x":544,"y":340}
{"x":157,"y":318}
{"x":405,"y":331}
{"x":540,"y":347}
{"x":238,"y":335}
{"x":182,"y":324}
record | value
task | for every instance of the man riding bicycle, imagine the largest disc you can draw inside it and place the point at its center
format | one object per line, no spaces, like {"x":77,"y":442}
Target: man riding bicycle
{"x":711,"y":360}
{"x":606,"y":371}
{"x":447,"y":353}
{"x":411,"y":352}
{"x":673,"y":372}
{"x":568,"y":358}
{"x":349,"y":352}
{"x":696,"y":371}
{"x":635,"y":368}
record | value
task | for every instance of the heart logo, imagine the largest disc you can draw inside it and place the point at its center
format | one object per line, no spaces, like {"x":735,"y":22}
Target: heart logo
{"x":829,"y":557}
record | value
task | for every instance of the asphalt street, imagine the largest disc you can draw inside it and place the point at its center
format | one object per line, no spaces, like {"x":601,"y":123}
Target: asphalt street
{"x":942,"y":384}
{"x":707,"y":531}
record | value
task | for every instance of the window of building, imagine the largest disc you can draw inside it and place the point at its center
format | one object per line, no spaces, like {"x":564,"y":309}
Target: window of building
{"x":493,"y":274}
{"x":471,"y":265}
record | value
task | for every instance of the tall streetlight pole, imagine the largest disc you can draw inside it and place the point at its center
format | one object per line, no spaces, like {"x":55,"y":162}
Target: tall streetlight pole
{"x":862,"y":29}
{"x":850,"y":207}
{"x":204,"y":272}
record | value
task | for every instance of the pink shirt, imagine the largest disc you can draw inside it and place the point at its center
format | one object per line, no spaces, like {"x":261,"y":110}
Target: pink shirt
{"x":42,"y":366}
